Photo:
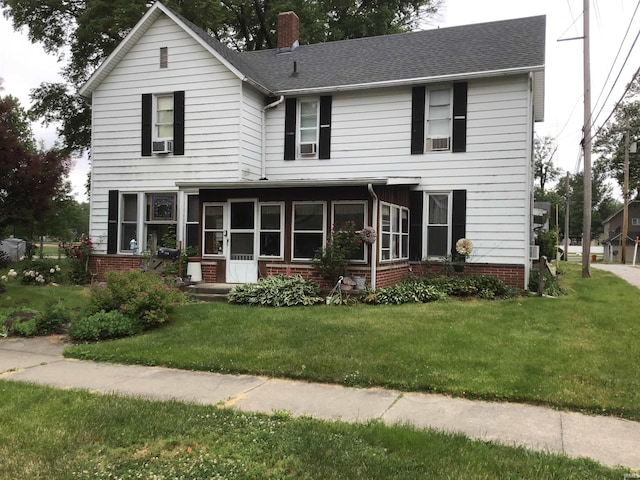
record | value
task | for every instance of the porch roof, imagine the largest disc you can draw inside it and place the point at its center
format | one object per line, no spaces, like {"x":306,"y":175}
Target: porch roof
{"x":338,"y":182}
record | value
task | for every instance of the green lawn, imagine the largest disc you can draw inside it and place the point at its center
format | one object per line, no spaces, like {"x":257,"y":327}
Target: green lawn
{"x":55,"y":434}
{"x":574,"y":352}
{"x":36,"y":297}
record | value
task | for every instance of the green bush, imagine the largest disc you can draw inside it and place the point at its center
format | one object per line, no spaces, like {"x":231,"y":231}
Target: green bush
{"x":547,"y":243}
{"x":39,"y":271}
{"x":27,"y":328}
{"x":552,"y":285}
{"x":142,"y":296}
{"x":483,"y":286}
{"x":279,"y":291}
{"x":410,"y":291}
{"x":52,"y":319}
{"x":103,"y":326}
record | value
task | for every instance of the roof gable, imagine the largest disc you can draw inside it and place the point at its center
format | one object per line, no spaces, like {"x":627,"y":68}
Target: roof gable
{"x":480,"y":50}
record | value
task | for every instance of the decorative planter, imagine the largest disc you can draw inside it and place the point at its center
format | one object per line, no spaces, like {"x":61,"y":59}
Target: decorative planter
{"x":359,"y":282}
{"x":194,"y":270}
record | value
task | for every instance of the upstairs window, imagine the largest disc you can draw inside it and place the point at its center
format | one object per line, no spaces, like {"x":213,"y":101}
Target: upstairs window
{"x":164,"y":57}
{"x":439,"y":120}
{"x":164,"y":117}
{"x":308,"y":126}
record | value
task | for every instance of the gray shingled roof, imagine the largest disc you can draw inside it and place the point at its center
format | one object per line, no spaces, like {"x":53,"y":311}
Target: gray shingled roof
{"x":455,"y":51}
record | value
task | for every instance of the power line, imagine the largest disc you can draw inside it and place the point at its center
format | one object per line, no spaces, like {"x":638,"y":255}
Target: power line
{"x":626,"y":90}
{"x":613,"y":64}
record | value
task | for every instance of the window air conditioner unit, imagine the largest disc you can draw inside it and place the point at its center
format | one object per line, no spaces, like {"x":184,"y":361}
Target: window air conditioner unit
{"x":438,"y":144}
{"x":162,"y":147}
{"x":534,"y":252}
{"x":307,"y":149}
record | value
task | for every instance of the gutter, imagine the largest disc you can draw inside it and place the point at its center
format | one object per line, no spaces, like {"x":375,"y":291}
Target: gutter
{"x":374,"y":249}
{"x":263,"y":154}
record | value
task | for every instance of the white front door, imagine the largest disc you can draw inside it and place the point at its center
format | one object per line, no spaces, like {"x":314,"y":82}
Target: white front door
{"x":242,"y":260}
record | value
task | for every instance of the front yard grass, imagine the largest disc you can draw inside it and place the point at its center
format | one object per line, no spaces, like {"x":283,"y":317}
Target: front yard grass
{"x":57,"y":434}
{"x":576,"y":352}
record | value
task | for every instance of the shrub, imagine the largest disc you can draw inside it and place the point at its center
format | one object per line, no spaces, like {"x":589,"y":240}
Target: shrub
{"x":39,"y":271}
{"x":78,"y":255}
{"x":410,"y":291}
{"x":5,"y":260}
{"x":547,"y":243}
{"x":484,"y":286}
{"x":332,"y":260}
{"x":54,"y":316}
{"x":27,"y":328}
{"x":280,"y":291}
{"x":142,"y":296}
{"x":103,"y":326}
{"x":552,"y":285}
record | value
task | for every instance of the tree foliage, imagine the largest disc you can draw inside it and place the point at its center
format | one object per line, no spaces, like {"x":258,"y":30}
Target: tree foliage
{"x":610,"y":142}
{"x":544,"y":149}
{"x":603,"y":203}
{"x":84,"y":33}
{"x":30,"y":179}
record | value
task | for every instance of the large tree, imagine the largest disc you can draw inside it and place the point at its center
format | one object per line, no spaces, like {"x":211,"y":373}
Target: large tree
{"x":610,"y":142}
{"x":85,"y":32}
{"x":30,"y":179}
{"x":544,"y":149}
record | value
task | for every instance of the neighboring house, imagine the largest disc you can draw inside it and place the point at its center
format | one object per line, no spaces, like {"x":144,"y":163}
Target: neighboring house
{"x":252,"y":157}
{"x":613,"y":233}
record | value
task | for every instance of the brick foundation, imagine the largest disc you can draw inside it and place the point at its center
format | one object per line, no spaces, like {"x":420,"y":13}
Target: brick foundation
{"x":101,"y":264}
{"x":388,"y":274}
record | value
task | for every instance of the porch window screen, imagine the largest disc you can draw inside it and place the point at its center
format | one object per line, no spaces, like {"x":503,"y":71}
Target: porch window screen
{"x":129,"y":221}
{"x":213,"y":229}
{"x":271,"y":230}
{"x":308,"y":229}
{"x":343,"y":213}
{"x":192,"y":226}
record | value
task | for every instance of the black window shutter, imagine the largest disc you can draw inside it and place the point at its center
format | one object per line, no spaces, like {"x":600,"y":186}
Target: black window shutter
{"x":147,"y":107}
{"x":417,"y":119}
{"x":324,"y":148}
{"x":459,"y":143}
{"x":178,"y":123}
{"x":415,"y":226}
{"x":112,"y":222}
{"x":290,"y":129}
{"x":459,"y":218}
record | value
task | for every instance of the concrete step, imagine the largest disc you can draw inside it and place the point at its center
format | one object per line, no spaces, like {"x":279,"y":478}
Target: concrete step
{"x":209,"y":292}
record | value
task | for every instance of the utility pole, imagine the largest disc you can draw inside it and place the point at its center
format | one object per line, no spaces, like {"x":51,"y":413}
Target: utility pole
{"x":566,"y":220}
{"x":625,"y":192}
{"x":586,"y":145}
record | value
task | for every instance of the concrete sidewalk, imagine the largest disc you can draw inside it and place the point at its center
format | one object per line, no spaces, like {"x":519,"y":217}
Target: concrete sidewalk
{"x":607,"y":440}
{"x":630,"y":273}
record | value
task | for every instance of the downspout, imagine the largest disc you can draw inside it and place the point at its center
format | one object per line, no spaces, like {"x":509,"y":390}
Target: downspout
{"x":263,"y":156}
{"x":374,"y":248}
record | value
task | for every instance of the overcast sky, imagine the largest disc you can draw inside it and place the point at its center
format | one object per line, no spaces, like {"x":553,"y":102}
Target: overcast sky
{"x":24,"y":66}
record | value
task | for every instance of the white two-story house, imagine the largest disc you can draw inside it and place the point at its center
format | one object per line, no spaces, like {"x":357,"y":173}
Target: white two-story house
{"x":252,"y":158}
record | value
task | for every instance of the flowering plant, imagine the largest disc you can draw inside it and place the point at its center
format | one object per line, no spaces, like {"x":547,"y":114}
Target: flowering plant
{"x":464,"y":247}
{"x":79,"y":254}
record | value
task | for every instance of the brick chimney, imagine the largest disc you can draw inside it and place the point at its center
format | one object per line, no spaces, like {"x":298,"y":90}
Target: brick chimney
{"x":288,"y":31}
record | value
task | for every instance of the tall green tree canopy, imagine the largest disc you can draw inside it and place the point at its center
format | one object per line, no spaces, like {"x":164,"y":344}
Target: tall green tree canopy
{"x":610,"y":142}
{"x":544,"y":150}
{"x":30,"y":180}
{"x":84,"y":32}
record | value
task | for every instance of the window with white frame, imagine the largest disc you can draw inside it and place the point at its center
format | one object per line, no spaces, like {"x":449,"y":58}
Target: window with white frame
{"x":394,"y":242}
{"x":129,"y":221}
{"x":192,"y":224}
{"x":438,"y":224}
{"x":164,"y":117}
{"x":271,"y":226}
{"x":308,"y":128}
{"x":439,"y":120}
{"x":161,"y":220}
{"x":309,"y":220}
{"x":353,"y":212}
{"x":635,"y":221}
{"x":213,"y":229}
